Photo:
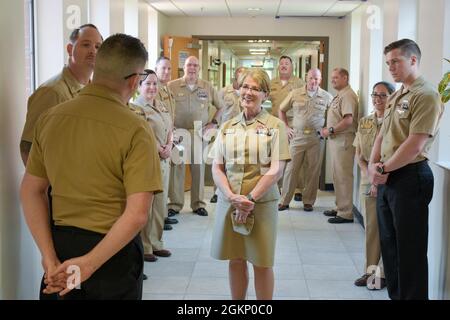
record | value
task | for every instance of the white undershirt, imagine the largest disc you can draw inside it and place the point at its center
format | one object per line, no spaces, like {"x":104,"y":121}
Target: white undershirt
{"x":191,"y":86}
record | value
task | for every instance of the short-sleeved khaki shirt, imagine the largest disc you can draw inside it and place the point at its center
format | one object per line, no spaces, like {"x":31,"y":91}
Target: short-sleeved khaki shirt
{"x":95,"y":153}
{"x":412,"y":111}
{"x":157,"y":116}
{"x":247,"y":149}
{"x":192,"y":105}
{"x":230,"y":102}
{"x":368,"y":128}
{"x":54,"y":91}
{"x":278,"y":92}
{"x":166,"y":97}
{"x":309,"y":114}
{"x":345,"y":102}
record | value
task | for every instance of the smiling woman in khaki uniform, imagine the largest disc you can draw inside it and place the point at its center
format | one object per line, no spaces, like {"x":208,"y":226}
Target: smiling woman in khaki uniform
{"x":249,"y":157}
{"x":368,"y":129}
{"x":160,"y":120}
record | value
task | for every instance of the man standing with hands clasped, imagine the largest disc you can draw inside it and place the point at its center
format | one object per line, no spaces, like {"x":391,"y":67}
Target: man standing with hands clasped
{"x":398,"y":165}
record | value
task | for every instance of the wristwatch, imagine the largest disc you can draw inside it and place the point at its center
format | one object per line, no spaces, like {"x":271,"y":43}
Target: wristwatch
{"x":214,"y":120}
{"x":380,"y":169}
{"x":331,"y":130}
{"x":250,"y":197}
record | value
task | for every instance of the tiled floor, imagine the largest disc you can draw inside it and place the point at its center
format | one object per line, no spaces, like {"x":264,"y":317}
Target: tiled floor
{"x":314,"y":259}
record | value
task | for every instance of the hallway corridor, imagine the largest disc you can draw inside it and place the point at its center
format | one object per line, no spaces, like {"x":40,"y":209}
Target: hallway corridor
{"x":314,"y":259}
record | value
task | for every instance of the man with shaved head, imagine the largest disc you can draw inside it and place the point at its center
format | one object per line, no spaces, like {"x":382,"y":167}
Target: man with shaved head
{"x":193,"y":96}
{"x":342,"y":122}
{"x":308,"y":105}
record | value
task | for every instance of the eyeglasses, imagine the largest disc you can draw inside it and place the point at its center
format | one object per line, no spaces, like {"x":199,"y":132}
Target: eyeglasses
{"x":252,"y":89}
{"x":142,"y":76}
{"x":381,"y":96}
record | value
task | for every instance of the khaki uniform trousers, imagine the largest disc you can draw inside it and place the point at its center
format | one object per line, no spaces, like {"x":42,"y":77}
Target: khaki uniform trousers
{"x":373,"y":247}
{"x":305,"y":161}
{"x":152,"y":233}
{"x":342,"y":158}
{"x":178,"y":173}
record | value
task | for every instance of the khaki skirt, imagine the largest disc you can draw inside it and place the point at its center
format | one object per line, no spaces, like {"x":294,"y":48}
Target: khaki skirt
{"x":258,"y":247}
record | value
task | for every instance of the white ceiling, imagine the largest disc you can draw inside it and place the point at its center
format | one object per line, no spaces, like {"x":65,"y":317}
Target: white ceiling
{"x":245,"y":8}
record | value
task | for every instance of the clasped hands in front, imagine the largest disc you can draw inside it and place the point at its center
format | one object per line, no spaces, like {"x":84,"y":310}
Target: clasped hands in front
{"x":243,"y":207}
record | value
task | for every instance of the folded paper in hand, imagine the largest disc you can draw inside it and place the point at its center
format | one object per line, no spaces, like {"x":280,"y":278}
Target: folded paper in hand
{"x":242,"y":228}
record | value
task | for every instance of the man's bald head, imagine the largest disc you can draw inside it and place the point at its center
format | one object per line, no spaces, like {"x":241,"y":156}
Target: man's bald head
{"x":313,"y":79}
{"x":191,"y":69}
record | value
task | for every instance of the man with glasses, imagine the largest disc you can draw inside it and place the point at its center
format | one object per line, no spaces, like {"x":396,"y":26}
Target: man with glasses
{"x":103,"y":165}
{"x":399,"y":167}
{"x":279,"y":89}
{"x":82,"y":50}
{"x":342,"y":123}
{"x":193,"y":97}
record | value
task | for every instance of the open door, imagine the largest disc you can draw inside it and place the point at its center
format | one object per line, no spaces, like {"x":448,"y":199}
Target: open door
{"x":177,"y":49}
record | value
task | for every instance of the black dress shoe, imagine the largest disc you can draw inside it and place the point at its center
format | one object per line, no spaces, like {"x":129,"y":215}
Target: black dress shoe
{"x":170,"y":221}
{"x":201,"y":212}
{"x":162,"y":253}
{"x":362,"y":282}
{"x":298,"y":197}
{"x":149,"y":257}
{"x":213,"y":199}
{"x":167,"y":227}
{"x":308,"y":207}
{"x":144,"y":277}
{"x":172,"y":212}
{"x":282,"y":207}
{"x":338,"y":219}
{"x":330,"y":213}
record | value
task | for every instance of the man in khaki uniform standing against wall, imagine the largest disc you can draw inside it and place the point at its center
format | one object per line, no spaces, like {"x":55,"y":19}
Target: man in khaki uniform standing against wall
{"x":342,"y":122}
{"x":163,"y":70}
{"x":399,"y":167}
{"x":192,"y":99}
{"x":103,"y":181}
{"x":82,"y":49}
{"x":309,"y":104}
{"x":279,"y":89}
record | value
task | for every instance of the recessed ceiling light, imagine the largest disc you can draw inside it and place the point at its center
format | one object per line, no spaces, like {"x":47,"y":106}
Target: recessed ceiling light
{"x":254,"y":9}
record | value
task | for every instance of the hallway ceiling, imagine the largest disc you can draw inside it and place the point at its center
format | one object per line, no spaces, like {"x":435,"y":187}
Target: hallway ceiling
{"x":252,"y":8}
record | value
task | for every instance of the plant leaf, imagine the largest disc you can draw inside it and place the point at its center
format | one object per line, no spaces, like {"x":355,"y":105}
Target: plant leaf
{"x":445,"y":97}
{"x":444,"y":82}
{"x":447,"y":60}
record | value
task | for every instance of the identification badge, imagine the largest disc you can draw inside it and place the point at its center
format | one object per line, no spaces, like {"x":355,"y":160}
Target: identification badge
{"x":405,"y":105}
{"x":202,"y":95}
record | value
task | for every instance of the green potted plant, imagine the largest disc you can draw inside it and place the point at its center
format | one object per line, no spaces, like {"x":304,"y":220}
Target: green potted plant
{"x":443,"y":88}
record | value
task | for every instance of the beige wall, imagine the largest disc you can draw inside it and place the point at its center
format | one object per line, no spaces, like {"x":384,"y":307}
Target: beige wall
{"x":20,"y":263}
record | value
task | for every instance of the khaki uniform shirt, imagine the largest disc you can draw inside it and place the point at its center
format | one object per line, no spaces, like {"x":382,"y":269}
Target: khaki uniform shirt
{"x":95,"y":153}
{"x":412,"y":111}
{"x":368,"y":129}
{"x":56,"y":90}
{"x":157,"y":116}
{"x":345,"y":102}
{"x":166,"y":97}
{"x":247,"y":149}
{"x":309,"y":114}
{"x":230,"y":101}
{"x":192,"y":105}
{"x":278,"y":93}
